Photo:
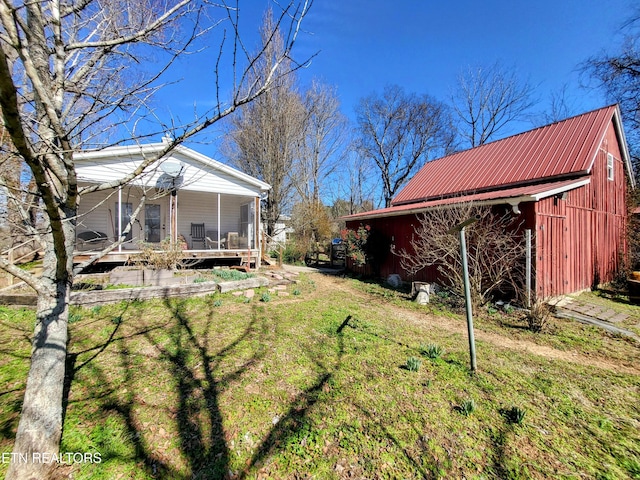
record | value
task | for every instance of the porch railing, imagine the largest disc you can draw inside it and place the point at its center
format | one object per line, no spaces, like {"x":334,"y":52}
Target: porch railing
{"x":10,"y":255}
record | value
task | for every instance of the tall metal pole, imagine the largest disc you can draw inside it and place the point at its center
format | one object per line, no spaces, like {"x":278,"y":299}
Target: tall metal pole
{"x":467,"y":296}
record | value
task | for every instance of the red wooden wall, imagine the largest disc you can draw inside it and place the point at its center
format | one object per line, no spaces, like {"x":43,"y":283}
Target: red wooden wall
{"x":578,"y":239}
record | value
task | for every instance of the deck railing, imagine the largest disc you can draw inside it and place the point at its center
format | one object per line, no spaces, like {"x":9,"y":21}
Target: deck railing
{"x":10,"y":255}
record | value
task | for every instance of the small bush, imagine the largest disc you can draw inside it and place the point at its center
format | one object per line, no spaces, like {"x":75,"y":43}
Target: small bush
{"x":538,"y":316}
{"x":432,"y":351}
{"x":413,"y":364}
{"x":74,"y":317}
{"x":297,"y":292}
{"x":266,"y":297}
{"x":217,"y":303}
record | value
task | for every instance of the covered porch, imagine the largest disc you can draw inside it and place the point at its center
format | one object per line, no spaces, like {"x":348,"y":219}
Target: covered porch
{"x":206,"y":226}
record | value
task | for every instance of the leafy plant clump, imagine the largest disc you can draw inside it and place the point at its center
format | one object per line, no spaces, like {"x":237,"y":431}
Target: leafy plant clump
{"x":515,"y":415}
{"x":265,"y":297}
{"x":432,"y":351}
{"x":413,"y":364}
{"x":231,"y":275}
{"x":467,"y":407}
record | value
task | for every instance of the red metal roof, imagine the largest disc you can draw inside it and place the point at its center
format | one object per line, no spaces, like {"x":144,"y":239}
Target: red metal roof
{"x":513,"y":196}
{"x":559,"y":150}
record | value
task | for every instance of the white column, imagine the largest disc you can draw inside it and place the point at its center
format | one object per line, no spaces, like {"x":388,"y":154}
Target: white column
{"x":218,"y":221}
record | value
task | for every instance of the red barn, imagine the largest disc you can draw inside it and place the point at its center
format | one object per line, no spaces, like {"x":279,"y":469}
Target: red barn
{"x":568,"y":181}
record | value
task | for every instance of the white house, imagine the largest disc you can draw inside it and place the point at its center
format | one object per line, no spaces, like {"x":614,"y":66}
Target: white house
{"x":213,"y":209}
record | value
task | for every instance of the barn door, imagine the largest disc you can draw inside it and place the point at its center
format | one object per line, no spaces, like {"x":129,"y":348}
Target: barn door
{"x":551,"y":256}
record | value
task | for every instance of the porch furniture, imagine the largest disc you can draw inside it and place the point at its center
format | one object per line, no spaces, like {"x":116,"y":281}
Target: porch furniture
{"x":91,"y":240}
{"x":197,"y":235}
{"x":232,"y":240}
{"x":211,"y":240}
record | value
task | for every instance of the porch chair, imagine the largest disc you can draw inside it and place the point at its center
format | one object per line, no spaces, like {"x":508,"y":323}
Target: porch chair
{"x":211,"y":240}
{"x":197,"y":235}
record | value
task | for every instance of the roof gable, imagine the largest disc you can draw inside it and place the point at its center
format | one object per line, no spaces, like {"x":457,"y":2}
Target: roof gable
{"x":198,"y":172}
{"x":564,"y":149}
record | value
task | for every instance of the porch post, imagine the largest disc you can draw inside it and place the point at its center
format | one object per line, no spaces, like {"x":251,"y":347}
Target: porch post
{"x":173,"y":217}
{"x":218,"y":239}
{"x":119,"y":236}
{"x":256,"y":232}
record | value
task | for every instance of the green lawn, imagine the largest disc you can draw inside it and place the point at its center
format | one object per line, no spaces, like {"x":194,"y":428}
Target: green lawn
{"x":317,"y":384}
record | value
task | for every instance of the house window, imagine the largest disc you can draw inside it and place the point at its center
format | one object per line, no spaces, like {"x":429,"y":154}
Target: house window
{"x":609,"y":166}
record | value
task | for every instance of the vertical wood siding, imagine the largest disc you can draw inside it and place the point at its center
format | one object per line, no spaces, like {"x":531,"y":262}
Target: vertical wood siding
{"x":581,"y":240}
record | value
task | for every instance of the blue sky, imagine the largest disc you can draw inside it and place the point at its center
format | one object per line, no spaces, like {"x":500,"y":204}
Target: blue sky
{"x":423,"y":45}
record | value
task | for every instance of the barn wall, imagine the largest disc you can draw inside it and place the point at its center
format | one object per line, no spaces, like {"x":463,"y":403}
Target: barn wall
{"x":398,"y":233}
{"x":580,"y":239}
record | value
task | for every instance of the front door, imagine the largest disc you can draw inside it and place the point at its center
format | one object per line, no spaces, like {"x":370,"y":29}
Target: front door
{"x":152,"y":224}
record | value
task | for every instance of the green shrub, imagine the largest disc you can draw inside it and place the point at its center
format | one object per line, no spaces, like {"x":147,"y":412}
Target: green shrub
{"x":266,"y":297}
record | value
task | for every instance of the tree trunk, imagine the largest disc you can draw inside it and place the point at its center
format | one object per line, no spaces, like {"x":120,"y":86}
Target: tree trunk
{"x":40,"y":427}
{"x":38,"y":436}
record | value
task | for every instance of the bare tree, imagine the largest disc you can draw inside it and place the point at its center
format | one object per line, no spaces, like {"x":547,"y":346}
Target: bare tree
{"x":323,"y":141}
{"x":399,"y":132}
{"x":496,"y":250}
{"x":265,"y":136}
{"x":486,"y":100}
{"x":67,"y":66}
{"x":561,"y":106}
{"x":619,"y":76}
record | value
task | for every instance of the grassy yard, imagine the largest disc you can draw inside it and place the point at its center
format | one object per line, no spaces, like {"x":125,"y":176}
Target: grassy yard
{"x":333,"y":381}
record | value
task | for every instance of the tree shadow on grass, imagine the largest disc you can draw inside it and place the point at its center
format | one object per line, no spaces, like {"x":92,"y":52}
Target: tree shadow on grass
{"x":199,"y":372}
{"x":295,"y":420}
{"x":199,"y":390}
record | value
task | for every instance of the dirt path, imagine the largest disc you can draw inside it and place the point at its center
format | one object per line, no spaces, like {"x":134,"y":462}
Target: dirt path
{"x":326,"y":283}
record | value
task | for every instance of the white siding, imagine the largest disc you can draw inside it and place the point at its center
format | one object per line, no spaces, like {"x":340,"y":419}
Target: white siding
{"x":199,"y":173}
